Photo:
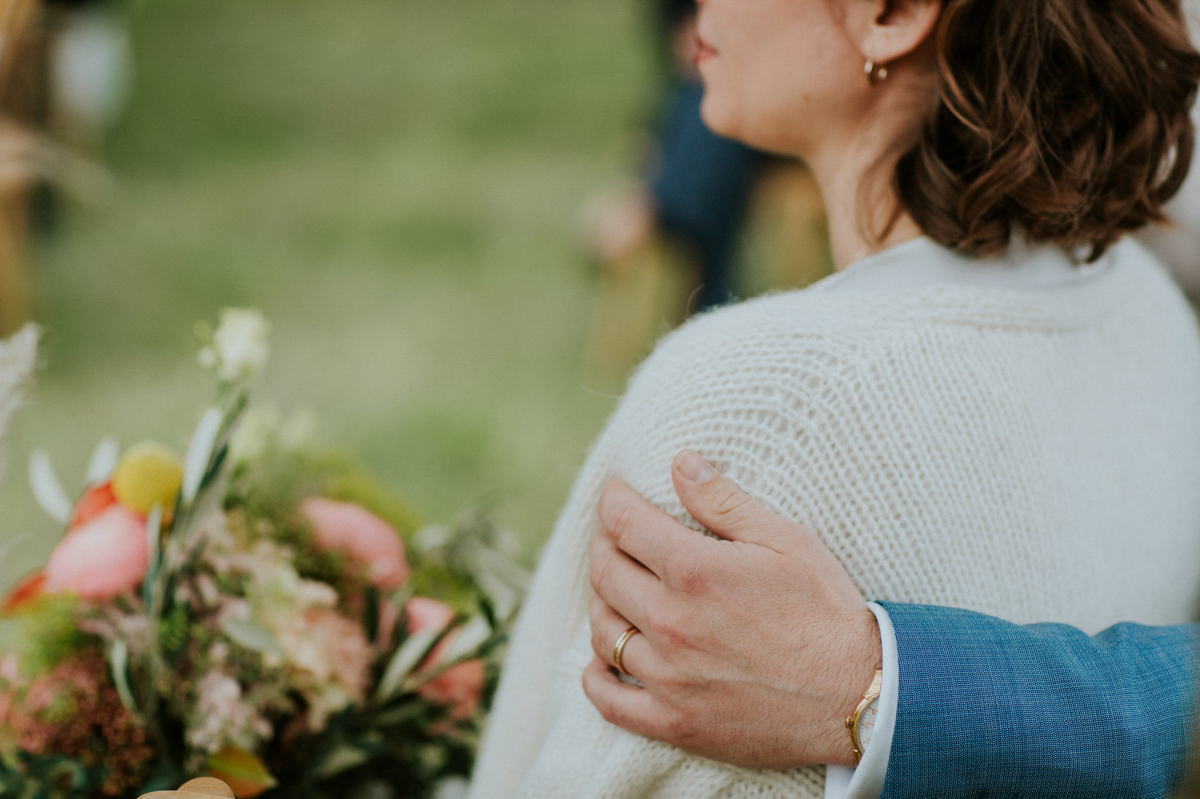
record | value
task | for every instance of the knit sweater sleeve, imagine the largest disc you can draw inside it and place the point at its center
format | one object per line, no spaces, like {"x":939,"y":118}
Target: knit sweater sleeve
{"x":749,"y":395}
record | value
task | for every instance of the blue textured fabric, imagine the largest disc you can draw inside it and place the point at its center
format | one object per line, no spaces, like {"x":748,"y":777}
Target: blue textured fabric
{"x":997,"y":710}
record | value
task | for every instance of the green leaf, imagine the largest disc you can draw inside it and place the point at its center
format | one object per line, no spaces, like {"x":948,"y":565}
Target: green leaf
{"x":154,"y":547}
{"x":252,"y":636}
{"x":470,"y":637}
{"x":401,"y":714}
{"x":118,"y":658}
{"x":407,"y":656}
{"x":242,"y":771}
{"x":343,"y":758}
{"x":200,"y":452}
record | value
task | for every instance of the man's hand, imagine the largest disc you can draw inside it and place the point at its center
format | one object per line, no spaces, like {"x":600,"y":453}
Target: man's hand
{"x":752,"y":649}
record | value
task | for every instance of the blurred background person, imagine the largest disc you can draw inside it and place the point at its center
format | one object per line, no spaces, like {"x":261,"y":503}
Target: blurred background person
{"x":687,"y":212}
{"x":697,"y":185}
{"x":21,"y":102}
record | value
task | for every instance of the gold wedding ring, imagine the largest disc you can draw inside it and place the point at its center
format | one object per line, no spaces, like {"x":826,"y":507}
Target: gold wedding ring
{"x":619,"y":649}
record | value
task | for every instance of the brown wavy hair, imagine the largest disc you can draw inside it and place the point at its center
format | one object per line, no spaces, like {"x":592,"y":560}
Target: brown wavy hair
{"x":1067,"y":119}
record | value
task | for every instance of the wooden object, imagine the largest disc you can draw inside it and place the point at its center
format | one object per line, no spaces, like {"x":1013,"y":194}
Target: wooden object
{"x":203,"y":788}
{"x":15,"y":287}
{"x":23,"y":75}
{"x":16,"y":18}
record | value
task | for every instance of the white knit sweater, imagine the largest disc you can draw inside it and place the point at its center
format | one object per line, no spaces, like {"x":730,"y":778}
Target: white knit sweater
{"x":1016,"y":437}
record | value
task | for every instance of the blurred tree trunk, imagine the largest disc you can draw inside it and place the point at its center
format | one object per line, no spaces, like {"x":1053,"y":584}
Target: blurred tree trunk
{"x":22,"y":108}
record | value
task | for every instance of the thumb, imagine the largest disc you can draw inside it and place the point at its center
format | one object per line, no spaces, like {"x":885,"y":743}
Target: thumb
{"x":725,"y":509}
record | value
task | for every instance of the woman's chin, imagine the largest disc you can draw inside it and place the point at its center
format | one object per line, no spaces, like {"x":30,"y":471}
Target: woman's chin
{"x":726,"y":119}
{"x":719,"y":116}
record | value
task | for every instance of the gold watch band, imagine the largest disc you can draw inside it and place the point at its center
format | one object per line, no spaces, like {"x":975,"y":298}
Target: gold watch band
{"x":852,"y":721}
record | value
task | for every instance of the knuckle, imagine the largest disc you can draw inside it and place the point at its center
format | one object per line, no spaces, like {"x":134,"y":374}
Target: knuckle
{"x":596,"y":608}
{"x":728,"y":502}
{"x":609,"y":502}
{"x":601,"y":574}
{"x":679,"y":727}
{"x":596,"y":570}
{"x":599,"y":547}
{"x":611,"y":711}
{"x":621,"y":520}
{"x":598,"y":642}
{"x":670,"y":685}
{"x":604,"y":705}
{"x":668,"y":627}
{"x":689,"y":572}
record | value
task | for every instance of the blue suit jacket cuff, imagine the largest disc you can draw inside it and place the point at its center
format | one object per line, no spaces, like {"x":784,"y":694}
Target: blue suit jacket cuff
{"x":989,"y":708}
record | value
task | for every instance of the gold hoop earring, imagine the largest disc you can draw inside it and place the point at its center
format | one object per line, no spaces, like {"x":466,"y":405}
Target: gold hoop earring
{"x":875,"y":75}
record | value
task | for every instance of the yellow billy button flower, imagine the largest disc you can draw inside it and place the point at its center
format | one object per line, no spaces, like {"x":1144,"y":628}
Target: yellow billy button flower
{"x":148,"y":474}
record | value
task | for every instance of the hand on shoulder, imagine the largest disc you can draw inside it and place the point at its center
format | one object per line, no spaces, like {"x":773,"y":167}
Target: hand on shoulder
{"x":758,"y":637}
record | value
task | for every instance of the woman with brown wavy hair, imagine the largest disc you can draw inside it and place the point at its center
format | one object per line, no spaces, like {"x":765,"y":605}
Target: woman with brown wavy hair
{"x":994,"y":405}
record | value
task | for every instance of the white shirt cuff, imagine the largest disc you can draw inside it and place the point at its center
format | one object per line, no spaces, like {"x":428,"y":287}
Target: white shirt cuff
{"x":866,"y":781}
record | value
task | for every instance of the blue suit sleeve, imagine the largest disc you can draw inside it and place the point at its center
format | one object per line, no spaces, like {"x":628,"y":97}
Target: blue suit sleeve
{"x":997,"y":710}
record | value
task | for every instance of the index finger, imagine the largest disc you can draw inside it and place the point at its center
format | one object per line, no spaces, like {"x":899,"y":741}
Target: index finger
{"x":645,"y":532}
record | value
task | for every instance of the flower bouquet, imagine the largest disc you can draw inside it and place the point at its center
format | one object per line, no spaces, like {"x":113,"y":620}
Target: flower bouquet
{"x":255,"y":610}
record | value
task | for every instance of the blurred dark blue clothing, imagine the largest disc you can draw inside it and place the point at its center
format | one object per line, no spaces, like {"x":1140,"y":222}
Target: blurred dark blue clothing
{"x":701,"y":186}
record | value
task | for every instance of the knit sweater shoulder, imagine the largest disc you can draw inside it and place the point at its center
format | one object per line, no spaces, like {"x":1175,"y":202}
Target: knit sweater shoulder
{"x":1013,"y":442}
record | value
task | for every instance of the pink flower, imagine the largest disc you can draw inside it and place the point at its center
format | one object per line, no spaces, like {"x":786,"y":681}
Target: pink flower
{"x":345,"y":646}
{"x":106,"y":556}
{"x":459,"y":687}
{"x":427,"y":614}
{"x":363,"y":536}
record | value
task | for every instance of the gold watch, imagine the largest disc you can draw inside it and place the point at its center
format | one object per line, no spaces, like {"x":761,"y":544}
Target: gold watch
{"x":861,"y":723}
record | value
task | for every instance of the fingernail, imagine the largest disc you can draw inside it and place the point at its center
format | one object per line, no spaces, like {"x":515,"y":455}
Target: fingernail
{"x":695,"y":468}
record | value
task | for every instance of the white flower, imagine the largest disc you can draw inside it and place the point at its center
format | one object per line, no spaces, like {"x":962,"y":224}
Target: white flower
{"x":262,"y":426}
{"x":223,"y":718}
{"x":253,"y":433}
{"x":239,"y":347}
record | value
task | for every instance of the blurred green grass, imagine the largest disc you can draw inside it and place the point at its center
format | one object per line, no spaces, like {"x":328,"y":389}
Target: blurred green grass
{"x":393,"y":183}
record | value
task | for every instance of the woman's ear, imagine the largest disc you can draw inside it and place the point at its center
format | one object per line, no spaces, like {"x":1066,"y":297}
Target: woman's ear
{"x":888,"y":30}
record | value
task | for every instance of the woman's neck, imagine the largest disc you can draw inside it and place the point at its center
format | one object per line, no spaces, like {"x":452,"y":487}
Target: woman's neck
{"x":865,"y":215}
{"x":855,"y":169}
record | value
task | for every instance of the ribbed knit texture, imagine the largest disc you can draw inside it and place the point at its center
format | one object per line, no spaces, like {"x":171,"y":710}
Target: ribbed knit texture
{"x":1031,"y":453}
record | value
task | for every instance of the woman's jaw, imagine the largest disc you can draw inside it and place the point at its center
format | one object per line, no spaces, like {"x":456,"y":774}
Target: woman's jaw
{"x":787,"y":76}
{"x":778,"y":74}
